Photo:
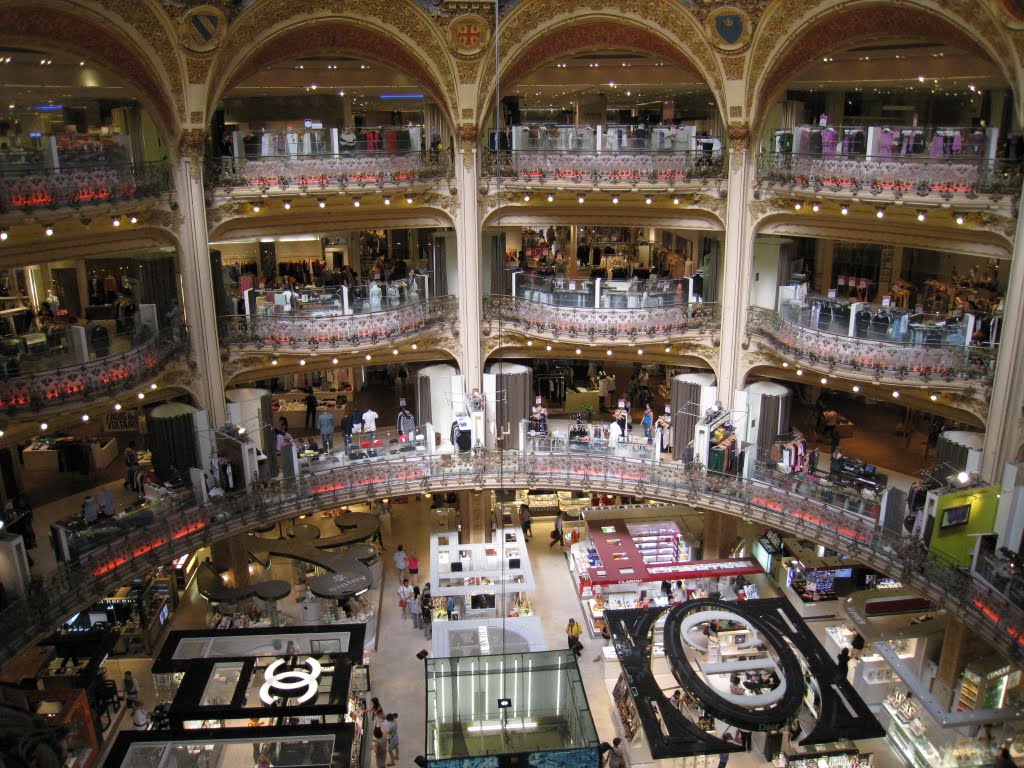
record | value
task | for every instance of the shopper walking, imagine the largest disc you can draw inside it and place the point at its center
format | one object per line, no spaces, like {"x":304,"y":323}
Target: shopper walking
{"x":401,"y":562}
{"x":843,"y":662}
{"x":427,"y":612}
{"x":647,"y":420}
{"x":404,"y":596}
{"x":131,"y":464}
{"x":414,"y":566}
{"x":525,"y":521}
{"x":415,"y":608}
{"x":556,"y":535}
{"x":857,"y":644}
{"x":392,"y":726}
{"x":573,"y":631}
{"x":380,"y":510}
{"x":616,"y":757}
{"x":723,"y":758}
{"x":380,"y":748}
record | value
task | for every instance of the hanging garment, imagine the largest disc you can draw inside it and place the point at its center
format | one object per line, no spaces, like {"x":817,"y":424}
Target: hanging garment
{"x":938,"y":146}
{"x":885,"y":143}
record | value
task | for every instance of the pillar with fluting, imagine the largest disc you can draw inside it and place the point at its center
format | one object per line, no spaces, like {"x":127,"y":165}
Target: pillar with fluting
{"x":1004,"y":431}
{"x":197,"y":284}
{"x":736,"y":269}
{"x":467,"y":232}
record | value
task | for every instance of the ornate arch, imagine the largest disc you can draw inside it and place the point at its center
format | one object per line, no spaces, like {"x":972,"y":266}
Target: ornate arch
{"x":391,"y":32}
{"x":131,"y":41}
{"x":539,"y":31}
{"x":794,"y":32}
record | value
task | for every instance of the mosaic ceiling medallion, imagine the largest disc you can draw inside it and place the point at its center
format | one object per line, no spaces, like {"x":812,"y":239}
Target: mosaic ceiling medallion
{"x":729,"y":28}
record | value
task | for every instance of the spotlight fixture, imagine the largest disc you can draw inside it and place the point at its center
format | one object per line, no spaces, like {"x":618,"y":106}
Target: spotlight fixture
{"x":639,"y":351}
{"x":615,"y":199}
{"x":648,"y":200}
{"x":856,"y":388}
{"x":422,"y":655}
{"x":152,"y":386}
{"x":880,"y":213}
{"x":415,"y":346}
{"x":387,"y":200}
{"x":581,"y":199}
{"x":286,"y":204}
{"x":3,"y":233}
{"x":302,"y":362}
{"x":369,"y":357}
{"x":116,"y":221}
{"x":959,"y":218}
{"x":963,"y":477}
{"x":799,"y":371}
{"x":895,"y":393}
{"x":797,"y":206}
{"x":256,"y":207}
{"x":526,"y":197}
{"x":824,"y":380}
{"x":142,"y":395}
{"x":844,"y":210}
{"x":933,"y":397}
{"x":356,"y":202}
{"x":409,"y":199}
{"x":920,"y":216}
{"x":668,"y":349}
{"x":579,"y":351}
{"x":547,"y":347}
{"x":133,"y":219}
{"x":85,"y":417}
{"x":529,"y":342}
{"x":609,"y":353}
{"x":334,"y":361}
{"x":551,"y":198}
{"x":48,"y":230}
{"x":394,"y":351}
{"x":117,"y":406}
{"x":44,"y":426}
{"x":273,"y":361}
{"x":675,"y":201}
{"x":1,"y":433}
{"x":321,"y":202}
{"x":785,"y":365}
{"x":815,"y":207}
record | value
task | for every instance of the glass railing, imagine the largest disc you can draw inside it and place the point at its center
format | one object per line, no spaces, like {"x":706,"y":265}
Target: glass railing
{"x":628,"y":167}
{"x":601,"y":323}
{"x":878,"y":323}
{"x":34,"y":189}
{"x":876,"y":357}
{"x":50,"y":347}
{"x":104,"y":376}
{"x":920,"y":175}
{"x":179,"y":528}
{"x":320,"y":171}
{"x":335,"y":329}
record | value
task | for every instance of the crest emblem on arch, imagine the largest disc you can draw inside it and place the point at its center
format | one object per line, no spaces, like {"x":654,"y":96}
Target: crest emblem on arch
{"x":729,"y":28}
{"x":202,"y":29}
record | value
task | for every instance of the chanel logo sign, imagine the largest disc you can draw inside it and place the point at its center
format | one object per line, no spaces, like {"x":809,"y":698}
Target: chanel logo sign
{"x":282,"y":684}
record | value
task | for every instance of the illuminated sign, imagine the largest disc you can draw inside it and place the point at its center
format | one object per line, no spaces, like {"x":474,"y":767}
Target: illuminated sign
{"x":291,"y":679}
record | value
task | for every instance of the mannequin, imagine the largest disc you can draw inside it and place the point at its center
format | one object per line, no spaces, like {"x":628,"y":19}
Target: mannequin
{"x":405,"y":422}
{"x":51,"y":299}
{"x":375,"y":296}
{"x":664,"y":423}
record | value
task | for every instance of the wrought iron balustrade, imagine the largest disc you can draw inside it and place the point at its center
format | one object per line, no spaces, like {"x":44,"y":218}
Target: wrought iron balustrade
{"x":599,"y":323}
{"x":312,"y":172}
{"x":897,"y":176}
{"x":592,"y":167}
{"x":104,"y":376}
{"x":183,"y":529}
{"x":39,"y":188}
{"x":881,"y":358}
{"x":336,"y":330}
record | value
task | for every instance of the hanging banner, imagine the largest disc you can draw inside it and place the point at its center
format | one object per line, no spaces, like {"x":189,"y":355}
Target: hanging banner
{"x":121,"y":421}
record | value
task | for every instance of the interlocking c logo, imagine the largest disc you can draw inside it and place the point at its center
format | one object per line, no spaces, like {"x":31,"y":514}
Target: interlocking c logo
{"x":291,"y":680}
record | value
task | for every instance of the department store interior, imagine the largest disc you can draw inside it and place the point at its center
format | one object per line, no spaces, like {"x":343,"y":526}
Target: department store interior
{"x":348,"y":415}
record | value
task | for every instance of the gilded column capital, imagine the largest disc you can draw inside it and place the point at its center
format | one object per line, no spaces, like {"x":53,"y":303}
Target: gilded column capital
{"x":739,"y":135}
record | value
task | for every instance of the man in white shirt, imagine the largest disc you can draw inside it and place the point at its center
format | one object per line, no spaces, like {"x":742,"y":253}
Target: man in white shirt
{"x":404,"y":597}
{"x":370,"y":423}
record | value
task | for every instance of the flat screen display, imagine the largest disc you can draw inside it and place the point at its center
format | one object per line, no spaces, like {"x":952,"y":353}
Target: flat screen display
{"x":954,"y":516}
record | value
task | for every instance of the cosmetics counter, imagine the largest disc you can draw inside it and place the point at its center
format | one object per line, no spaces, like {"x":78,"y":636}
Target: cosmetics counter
{"x":816,"y":576}
{"x":623,"y":564}
{"x":841,"y":754}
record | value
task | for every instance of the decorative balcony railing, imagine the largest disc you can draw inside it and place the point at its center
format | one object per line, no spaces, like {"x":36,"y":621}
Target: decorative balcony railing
{"x":654,"y":323}
{"x":105,"y":376}
{"x":36,"y":189}
{"x":313,"y":172}
{"x":181,"y":529}
{"x":620,"y":168}
{"x":920,"y":176}
{"x":355,"y":331}
{"x":882,"y":359}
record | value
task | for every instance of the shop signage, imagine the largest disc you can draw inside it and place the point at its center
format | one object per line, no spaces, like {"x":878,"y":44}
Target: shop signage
{"x":280,"y":684}
{"x":121,"y":421}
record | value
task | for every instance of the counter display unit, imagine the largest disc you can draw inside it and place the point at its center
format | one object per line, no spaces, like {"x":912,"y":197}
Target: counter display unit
{"x":484,"y":580}
{"x":623,"y":565}
{"x":985,"y":683}
{"x":842,"y":754}
{"x":69,"y":454}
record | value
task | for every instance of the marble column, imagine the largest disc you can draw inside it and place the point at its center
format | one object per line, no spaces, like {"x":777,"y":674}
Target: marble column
{"x":197,"y":287}
{"x":467,"y":232}
{"x":736,"y":273}
{"x":1004,"y":431}
{"x":952,"y":660}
